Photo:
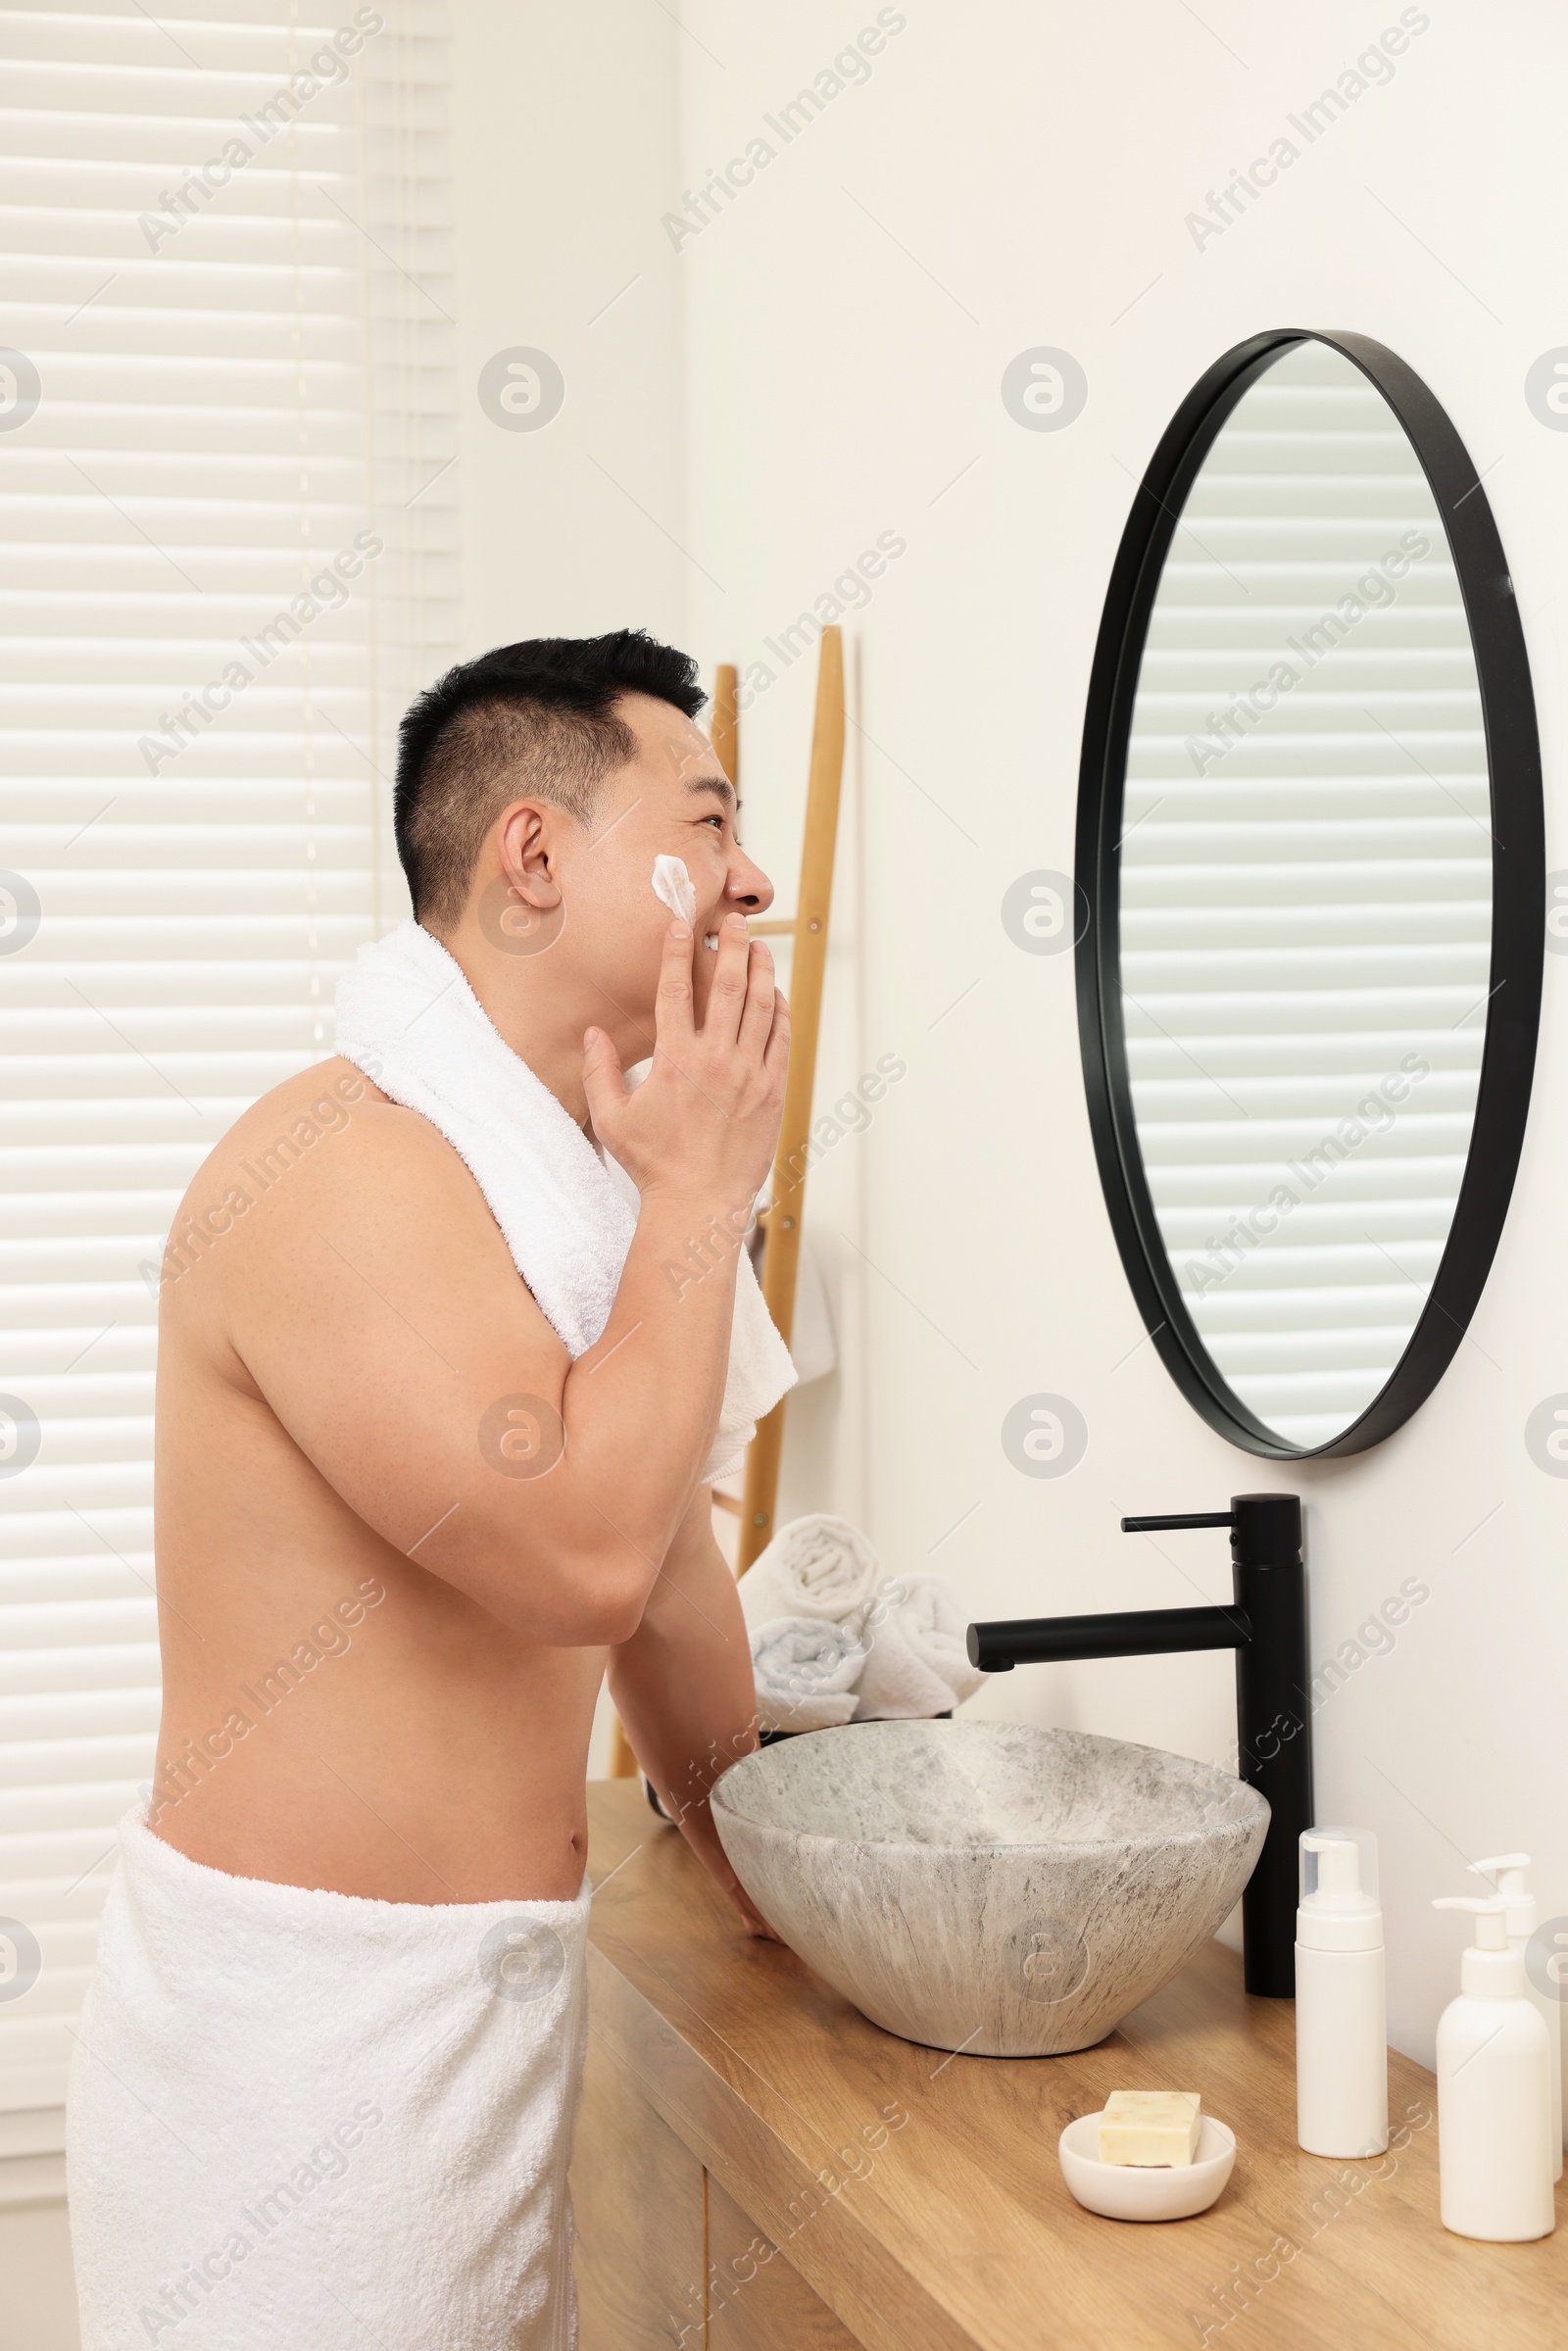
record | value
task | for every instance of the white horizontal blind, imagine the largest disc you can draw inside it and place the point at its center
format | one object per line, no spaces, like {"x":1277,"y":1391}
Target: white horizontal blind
{"x":226,"y":489}
{"x":1306,"y":896}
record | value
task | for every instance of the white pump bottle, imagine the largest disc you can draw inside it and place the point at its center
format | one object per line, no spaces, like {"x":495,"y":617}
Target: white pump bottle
{"x":1509,"y":1872}
{"x":1342,"y":2034}
{"x":1493,"y":2108}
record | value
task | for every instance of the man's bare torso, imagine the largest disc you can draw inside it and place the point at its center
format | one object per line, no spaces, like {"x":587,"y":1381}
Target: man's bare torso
{"x":383,"y":1631}
{"x":335,"y":1714}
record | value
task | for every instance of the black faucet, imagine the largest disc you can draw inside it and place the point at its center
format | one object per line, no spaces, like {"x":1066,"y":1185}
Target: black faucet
{"x":1267,"y":1630}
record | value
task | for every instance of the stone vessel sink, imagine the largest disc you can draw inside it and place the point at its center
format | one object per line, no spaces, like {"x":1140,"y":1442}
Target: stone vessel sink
{"x":988,"y":1886}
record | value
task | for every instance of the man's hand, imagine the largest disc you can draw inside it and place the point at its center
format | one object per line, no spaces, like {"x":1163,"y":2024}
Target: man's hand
{"x":394,"y":1337}
{"x":703,"y":1124}
{"x":752,"y":1918}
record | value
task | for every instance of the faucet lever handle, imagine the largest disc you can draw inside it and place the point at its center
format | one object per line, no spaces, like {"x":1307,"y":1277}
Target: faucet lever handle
{"x":1192,"y":1518}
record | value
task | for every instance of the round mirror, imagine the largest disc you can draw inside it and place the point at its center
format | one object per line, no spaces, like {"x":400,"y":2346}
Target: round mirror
{"x":1311,"y":840}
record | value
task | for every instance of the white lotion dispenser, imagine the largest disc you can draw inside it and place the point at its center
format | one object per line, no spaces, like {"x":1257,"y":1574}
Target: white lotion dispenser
{"x":1342,"y":2034}
{"x":1507,"y":1870}
{"x":1493,"y":2109}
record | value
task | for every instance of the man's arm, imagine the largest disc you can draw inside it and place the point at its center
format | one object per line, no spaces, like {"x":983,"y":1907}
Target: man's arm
{"x":370,"y":1300}
{"x":683,"y":1688}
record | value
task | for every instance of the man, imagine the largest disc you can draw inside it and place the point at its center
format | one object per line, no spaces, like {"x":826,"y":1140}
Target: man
{"x":383,"y":1631}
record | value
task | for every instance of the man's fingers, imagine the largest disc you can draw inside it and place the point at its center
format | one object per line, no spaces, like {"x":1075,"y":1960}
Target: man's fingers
{"x":726,"y":998}
{"x":672,"y":1005}
{"x":776,"y":1058}
{"x":757,"y":1020}
{"x":602,"y":1079}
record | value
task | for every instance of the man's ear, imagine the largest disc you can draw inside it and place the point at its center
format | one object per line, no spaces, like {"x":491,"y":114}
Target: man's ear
{"x":526,"y":843}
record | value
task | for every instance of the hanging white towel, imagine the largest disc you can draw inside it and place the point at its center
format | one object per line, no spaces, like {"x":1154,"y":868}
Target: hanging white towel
{"x":917,"y":1661}
{"x":406,"y":1016}
{"x":299,"y":2121}
{"x":805,"y":1671}
{"x":816,"y":1566}
{"x":813,"y":1346}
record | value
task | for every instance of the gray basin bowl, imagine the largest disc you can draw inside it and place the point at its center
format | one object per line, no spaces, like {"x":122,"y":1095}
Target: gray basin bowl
{"x":988,"y":1886}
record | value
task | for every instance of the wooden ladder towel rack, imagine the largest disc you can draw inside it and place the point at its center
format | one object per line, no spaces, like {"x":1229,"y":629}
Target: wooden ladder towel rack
{"x":808,"y":927}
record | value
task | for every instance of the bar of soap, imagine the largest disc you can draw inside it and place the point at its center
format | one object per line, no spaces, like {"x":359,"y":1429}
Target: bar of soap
{"x":1151,"y":2127}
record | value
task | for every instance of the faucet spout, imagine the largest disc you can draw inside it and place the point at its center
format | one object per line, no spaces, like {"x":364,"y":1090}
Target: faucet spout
{"x":1007,"y":1642}
{"x":1267,"y":1630}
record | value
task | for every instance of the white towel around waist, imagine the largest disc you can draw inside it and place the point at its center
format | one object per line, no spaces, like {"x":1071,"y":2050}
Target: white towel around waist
{"x":407,"y":1017}
{"x":299,"y":2119}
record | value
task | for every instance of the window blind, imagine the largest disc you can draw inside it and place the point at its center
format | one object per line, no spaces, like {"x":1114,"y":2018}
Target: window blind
{"x":1306,"y":882}
{"x":226,"y":469}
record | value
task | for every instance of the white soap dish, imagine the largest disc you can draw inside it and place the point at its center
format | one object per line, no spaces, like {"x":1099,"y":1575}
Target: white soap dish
{"x":1125,"y":2191}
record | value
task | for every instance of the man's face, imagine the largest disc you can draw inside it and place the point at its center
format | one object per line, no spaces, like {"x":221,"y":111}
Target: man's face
{"x":671,"y":800}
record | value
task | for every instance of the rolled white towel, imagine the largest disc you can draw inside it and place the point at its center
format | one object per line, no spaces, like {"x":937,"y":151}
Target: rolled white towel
{"x":805,"y":1671}
{"x":916,"y":1662}
{"x":819,"y":1566}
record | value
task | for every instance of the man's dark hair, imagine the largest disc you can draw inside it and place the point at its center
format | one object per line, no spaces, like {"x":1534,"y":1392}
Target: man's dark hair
{"x":535,"y":719}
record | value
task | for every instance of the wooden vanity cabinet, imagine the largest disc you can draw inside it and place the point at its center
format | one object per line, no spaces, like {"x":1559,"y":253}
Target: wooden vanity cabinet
{"x":757,"y":2167}
{"x":665,"y":2260}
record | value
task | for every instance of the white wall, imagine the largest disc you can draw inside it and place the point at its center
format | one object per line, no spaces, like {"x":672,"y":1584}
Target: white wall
{"x":1006,"y":179}
{"x":564,"y":135}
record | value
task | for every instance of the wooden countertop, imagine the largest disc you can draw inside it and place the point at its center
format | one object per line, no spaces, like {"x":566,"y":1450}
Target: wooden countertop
{"x":919,"y":2194}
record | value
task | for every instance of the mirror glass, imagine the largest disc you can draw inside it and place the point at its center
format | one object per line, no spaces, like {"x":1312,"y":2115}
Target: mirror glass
{"x":1305,"y":896}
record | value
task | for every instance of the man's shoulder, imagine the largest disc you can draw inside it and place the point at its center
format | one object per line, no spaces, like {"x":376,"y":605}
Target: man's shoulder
{"x":325,"y":1136}
{"x":333,"y":1104}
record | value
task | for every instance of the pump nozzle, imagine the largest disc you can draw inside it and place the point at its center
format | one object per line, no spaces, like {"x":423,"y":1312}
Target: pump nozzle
{"x":1339,"y":1867}
{"x":1339,"y":1902}
{"x":1490,"y":1916}
{"x":1511,"y":1864}
{"x":1509,"y":1869}
{"x":1490,"y":1966}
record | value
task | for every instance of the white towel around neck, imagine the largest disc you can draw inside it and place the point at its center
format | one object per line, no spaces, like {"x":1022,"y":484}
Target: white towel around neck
{"x":406,"y":1016}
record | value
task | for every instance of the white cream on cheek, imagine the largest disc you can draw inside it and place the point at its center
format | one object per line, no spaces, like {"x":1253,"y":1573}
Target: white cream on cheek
{"x":673,"y":887}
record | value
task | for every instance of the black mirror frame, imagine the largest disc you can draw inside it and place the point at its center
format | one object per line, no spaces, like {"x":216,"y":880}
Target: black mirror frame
{"x":1518,"y":891}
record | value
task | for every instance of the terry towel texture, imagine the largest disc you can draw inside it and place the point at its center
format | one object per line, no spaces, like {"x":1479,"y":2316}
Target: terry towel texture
{"x":806,"y":1673}
{"x":298,"y":2121}
{"x":406,"y":1016}
{"x":906,"y":1633}
{"x":819,"y":1566}
{"x":917,"y":1656}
